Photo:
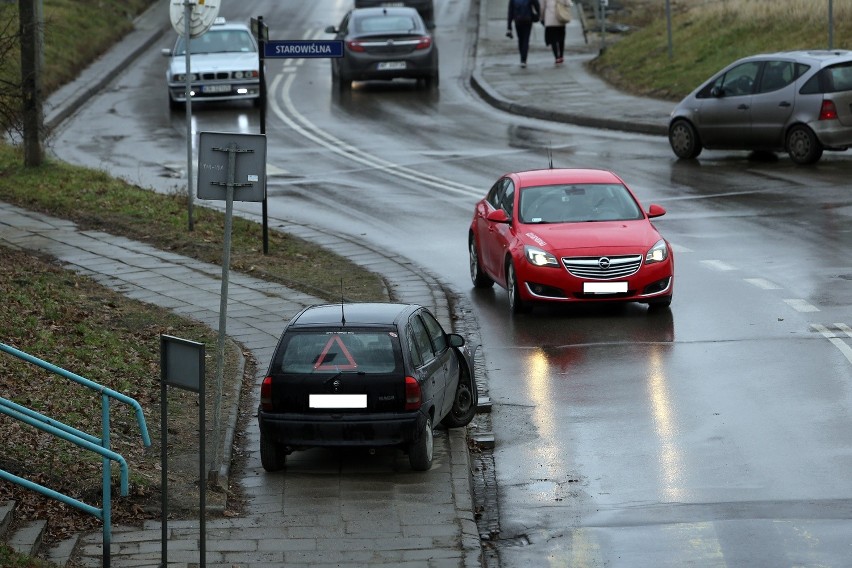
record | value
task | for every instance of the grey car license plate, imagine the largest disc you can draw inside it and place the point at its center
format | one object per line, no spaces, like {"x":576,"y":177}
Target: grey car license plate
{"x":391,"y":65}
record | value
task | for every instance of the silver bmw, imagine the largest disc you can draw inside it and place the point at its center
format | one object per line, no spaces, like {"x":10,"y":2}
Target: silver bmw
{"x":224,"y":65}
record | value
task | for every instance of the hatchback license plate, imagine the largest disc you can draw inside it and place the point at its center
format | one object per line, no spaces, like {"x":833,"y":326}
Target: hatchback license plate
{"x":337,"y":401}
{"x":391,"y":65}
{"x":216,"y":88}
{"x":604,"y":287}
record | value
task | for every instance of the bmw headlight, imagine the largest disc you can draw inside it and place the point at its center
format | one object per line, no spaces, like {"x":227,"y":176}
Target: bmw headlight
{"x":539,"y":257}
{"x":658,"y":253}
{"x":238,"y":74}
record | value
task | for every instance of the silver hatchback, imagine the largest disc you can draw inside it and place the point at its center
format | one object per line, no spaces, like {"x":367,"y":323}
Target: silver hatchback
{"x":794,"y":101}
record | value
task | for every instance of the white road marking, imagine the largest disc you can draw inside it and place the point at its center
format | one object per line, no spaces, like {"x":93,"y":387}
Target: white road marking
{"x":303,"y":126}
{"x":836,"y":341}
{"x":801,"y":305}
{"x":844,"y":328}
{"x":763,"y":284}
{"x":718,"y":265}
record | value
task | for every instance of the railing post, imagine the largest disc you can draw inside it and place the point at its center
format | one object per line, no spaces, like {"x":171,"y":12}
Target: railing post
{"x":107,"y":481}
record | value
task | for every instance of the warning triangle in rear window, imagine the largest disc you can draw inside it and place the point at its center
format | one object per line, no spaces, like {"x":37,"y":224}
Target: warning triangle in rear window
{"x":327,"y":361}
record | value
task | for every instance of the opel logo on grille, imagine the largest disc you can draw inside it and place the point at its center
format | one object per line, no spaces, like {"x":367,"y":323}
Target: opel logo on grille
{"x":336,"y":385}
{"x":603,"y":262}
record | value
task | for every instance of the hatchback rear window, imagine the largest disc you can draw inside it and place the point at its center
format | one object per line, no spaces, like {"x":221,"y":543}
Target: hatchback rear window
{"x":832,"y":79}
{"x":385,"y":24}
{"x":339,"y":351}
{"x":839,"y":77}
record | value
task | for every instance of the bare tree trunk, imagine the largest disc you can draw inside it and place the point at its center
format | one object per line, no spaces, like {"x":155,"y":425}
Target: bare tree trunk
{"x":32,"y":42}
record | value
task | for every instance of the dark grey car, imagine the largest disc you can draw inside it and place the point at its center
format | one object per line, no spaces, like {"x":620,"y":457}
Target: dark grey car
{"x":795,"y":101}
{"x":369,"y":375}
{"x":384,"y":44}
{"x":425,"y":7}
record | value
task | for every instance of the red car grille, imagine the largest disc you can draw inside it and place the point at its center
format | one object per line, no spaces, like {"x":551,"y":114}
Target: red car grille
{"x":602,"y":267}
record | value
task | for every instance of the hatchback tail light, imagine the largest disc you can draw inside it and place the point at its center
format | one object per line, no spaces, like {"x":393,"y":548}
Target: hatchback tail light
{"x":266,"y":394}
{"x":355,"y":45}
{"x":424,"y":43}
{"x":828,"y":111}
{"x":413,"y":395}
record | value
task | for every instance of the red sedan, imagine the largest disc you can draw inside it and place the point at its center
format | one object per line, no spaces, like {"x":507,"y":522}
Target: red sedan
{"x":569,"y":235}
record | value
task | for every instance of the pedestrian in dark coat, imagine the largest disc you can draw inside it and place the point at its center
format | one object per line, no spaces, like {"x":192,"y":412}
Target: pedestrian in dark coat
{"x":524,"y":13}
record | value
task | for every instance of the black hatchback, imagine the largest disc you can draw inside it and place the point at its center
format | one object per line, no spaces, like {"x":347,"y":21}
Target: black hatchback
{"x":369,"y":375}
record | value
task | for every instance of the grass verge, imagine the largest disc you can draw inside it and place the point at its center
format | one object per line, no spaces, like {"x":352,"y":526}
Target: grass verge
{"x":706,"y":36}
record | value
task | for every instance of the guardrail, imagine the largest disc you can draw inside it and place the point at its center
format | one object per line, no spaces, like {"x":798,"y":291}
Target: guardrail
{"x":82,"y":439}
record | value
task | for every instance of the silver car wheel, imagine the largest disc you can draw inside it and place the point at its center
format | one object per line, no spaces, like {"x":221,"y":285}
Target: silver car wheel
{"x":684,"y":140}
{"x":803,"y":146}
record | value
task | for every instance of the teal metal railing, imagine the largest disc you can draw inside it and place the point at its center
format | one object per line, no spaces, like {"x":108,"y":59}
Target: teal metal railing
{"x":82,"y":439}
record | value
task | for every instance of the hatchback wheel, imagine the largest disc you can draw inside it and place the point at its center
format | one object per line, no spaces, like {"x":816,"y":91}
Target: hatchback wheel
{"x":516,"y":304}
{"x":803,"y":146}
{"x":420,"y":452}
{"x":477,"y":276}
{"x":684,"y":140}
{"x":272,"y":456}
{"x":464,"y":405}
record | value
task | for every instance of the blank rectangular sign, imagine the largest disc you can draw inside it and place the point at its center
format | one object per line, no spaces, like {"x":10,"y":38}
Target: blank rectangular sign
{"x":181,"y":362}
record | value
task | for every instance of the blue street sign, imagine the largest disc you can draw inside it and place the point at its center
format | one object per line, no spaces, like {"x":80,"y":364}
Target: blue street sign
{"x":303,"y":48}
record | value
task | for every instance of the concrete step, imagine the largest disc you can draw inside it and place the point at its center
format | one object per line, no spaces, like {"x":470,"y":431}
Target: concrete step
{"x":61,"y":552}
{"x":7,"y":510}
{"x":27,"y":538}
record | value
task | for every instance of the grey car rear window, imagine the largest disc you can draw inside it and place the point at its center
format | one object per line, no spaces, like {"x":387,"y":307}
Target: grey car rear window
{"x":383,"y":24}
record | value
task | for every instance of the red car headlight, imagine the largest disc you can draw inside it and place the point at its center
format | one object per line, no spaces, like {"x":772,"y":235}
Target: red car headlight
{"x":538,"y":257}
{"x":658,"y":253}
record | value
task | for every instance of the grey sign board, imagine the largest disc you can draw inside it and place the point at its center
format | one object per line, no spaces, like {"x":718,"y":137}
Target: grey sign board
{"x":182,"y":363}
{"x":229,"y":158}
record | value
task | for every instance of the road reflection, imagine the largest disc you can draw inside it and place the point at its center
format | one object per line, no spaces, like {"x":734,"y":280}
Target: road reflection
{"x":666,"y":426}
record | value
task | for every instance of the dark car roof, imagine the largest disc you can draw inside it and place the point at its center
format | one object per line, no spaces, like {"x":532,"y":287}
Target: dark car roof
{"x":356,"y":314}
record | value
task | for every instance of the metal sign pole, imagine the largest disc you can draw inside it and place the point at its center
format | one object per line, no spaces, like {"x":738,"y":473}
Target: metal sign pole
{"x":182,"y":365}
{"x":187,"y":16}
{"x":230,"y":186}
{"x":830,"y":24}
{"x":164,"y":471}
{"x":261,"y":42}
{"x":202,"y":464}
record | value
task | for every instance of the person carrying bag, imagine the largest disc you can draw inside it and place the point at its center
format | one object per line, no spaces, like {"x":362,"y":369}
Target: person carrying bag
{"x":563,"y":11}
{"x":554,"y":26}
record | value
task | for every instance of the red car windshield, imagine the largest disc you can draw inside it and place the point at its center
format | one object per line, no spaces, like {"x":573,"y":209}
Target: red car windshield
{"x":572,"y":203}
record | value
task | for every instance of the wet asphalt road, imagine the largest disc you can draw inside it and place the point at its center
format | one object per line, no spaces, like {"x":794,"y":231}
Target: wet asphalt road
{"x":716,"y":434}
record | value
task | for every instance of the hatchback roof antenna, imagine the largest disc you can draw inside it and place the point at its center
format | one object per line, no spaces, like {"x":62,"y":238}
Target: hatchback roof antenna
{"x":342,"y":313}
{"x":550,"y":155}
